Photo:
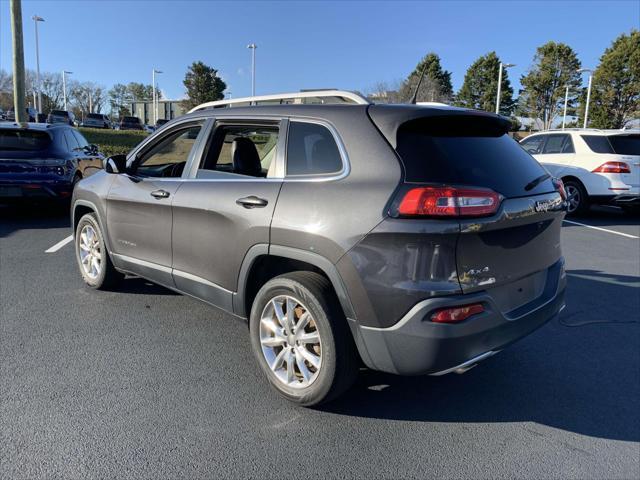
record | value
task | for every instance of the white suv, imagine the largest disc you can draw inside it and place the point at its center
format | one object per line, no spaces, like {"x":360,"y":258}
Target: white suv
{"x":596,"y":166}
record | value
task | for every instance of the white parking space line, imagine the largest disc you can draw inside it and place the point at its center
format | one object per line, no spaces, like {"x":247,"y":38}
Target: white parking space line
{"x":602,"y":229}
{"x":59,"y":245}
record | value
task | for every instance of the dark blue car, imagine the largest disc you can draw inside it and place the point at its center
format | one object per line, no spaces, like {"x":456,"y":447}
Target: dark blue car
{"x":43,"y":161}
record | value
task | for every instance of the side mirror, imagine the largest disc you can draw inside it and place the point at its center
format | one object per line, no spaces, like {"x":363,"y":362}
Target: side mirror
{"x":115,"y":164}
{"x":91,"y":149}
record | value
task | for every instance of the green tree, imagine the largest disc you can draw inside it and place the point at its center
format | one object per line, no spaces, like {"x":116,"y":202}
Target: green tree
{"x":436,"y":85}
{"x":615,"y":89}
{"x":203,"y":85}
{"x":480,"y":87}
{"x":555,"y":66}
{"x":120,"y":100}
{"x":141,"y":92}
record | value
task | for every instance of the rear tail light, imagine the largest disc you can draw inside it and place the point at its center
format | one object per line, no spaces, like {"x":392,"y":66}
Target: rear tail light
{"x":613,"y":167}
{"x":448,"y":202}
{"x":560,"y":188}
{"x":456,"y":314}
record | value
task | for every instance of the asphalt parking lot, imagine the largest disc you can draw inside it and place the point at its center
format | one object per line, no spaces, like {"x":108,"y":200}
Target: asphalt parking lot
{"x":144,"y":383}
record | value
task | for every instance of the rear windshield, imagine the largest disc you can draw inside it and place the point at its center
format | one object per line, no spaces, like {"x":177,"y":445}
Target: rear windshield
{"x":60,"y":113}
{"x":97,"y":116}
{"x":625,"y":144}
{"x":23,"y":140}
{"x":131,"y":120}
{"x":598,"y":143}
{"x":446,"y":151}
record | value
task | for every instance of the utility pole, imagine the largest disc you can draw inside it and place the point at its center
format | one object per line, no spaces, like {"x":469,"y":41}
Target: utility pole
{"x":500,"y":67}
{"x":37,"y":19}
{"x":18,"y":62}
{"x":64,"y":87}
{"x":154,"y":99}
{"x":566,"y":100}
{"x":253,"y":47}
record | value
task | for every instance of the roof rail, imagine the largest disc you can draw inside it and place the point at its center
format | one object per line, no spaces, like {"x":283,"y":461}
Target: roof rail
{"x":342,"y":96}
{"x":572,"y":129}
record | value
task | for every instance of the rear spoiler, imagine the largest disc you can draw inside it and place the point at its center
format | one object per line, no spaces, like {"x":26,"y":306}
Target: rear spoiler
{"x":450,"y":121}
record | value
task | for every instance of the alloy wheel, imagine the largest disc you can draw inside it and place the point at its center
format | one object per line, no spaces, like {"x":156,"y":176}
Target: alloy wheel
{"x":290,"y":341}
{"x":573,"y":198}
{"x":90,"y":252}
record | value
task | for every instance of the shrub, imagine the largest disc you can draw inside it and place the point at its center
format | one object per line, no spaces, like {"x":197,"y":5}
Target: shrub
{"x":113,"y":142}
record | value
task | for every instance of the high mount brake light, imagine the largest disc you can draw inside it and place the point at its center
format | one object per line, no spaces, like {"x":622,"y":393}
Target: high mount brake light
{"x":456,"y":314}
{"x":449,"y":202}
{"x":613,"y":167}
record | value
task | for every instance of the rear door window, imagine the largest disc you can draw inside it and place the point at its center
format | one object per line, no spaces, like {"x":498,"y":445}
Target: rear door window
{"x":625,"y":144}
{"x":312,"y":150}
{"x":558,"y":143}
{"x":436,"y":151}
{"x":72,"y":142}
{"x":598,"y":143}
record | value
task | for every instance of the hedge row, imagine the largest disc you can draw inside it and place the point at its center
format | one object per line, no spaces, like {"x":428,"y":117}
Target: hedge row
{"x":113,"y":142}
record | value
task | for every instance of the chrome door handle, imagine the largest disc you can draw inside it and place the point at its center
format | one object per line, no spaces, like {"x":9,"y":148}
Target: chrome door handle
{"x":160,"y":194}
{"x":252,"y":202}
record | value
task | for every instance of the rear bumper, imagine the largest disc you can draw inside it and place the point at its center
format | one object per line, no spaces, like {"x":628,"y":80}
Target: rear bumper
{"x":415,"y":345}
{"x":624,"y":199}
{"x":25,"y":189}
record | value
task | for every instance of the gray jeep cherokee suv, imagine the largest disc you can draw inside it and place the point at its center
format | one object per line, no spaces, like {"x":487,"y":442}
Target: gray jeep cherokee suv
{"x":418,"y":240}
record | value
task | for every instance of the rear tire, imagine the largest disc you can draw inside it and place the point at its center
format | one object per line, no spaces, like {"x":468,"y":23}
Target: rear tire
{"x":308,"y":372}
{"x":91,"y":254}
{"x":577,"y":198}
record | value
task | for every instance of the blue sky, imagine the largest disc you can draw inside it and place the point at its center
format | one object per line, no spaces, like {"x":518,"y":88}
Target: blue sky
{"x":351,"y":45}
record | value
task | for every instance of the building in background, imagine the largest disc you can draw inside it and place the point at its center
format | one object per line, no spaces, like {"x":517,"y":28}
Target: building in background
{"x":167,"y":110}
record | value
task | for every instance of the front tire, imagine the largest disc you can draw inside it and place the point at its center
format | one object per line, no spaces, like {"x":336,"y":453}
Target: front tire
{"x":301,"y":339}
{"x":91,"y":253}
{"x":577,"y":198}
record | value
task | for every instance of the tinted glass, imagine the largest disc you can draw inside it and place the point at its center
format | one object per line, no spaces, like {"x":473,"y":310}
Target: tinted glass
{"x":72,"y":141}
{"x":60,"y":113}
{"x":169,"y":155}
{"x":311,"y":150}
{"x":131,"y":120}
{"x":486,"y":158}
{"x":80,"y":139}
{"x":598,"y":143}
{"x":533,"y":145}
{"x":96,"y":116}
{"x":23,"y":140}
{"x":558,"y":144}
{"x":625,"y":144}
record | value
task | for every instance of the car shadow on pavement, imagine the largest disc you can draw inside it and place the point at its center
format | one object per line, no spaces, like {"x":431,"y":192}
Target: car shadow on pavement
{"x":603,"y":216}
{"x":579,"y":373}
{"x":140,"y":286}
{"x":23,"y":216}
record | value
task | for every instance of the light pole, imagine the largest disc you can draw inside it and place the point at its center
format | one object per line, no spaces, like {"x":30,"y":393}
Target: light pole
{"x":586,"y":108}
{"x":37,"y":19}
{"x":253,"y":47}
{"x":502,"y":65}
{"x":566,"y":99}
{"x":155,"y":101}
{"x":64,"y":87}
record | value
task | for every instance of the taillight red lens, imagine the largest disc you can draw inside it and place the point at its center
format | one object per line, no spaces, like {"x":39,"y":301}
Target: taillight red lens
{"x":456,"y":314}
{"x":449,"y":202}
{"x":559,"y":184}
{"x":613,"y":167}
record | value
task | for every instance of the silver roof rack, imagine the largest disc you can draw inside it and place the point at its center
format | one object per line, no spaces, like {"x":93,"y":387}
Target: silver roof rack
{"x":325,"y":96}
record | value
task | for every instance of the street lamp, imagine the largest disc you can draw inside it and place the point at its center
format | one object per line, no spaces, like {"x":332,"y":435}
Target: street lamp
{"x":566,"y":100}
{"x":155,"y":101}
{"x":586,"y":108}
{"x":64,"y":87}
{"x":37,"y":19}
{"x":502,"y":65}
{"x":253,"y":47}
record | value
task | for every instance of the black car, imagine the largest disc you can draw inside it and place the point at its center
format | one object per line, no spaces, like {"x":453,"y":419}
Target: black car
{"x":43,"y":160}
{"x":131,"y":123}
{"x":61,"y":116}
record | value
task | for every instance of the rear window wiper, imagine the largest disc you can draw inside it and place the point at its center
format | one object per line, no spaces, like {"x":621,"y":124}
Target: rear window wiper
{"x":532,"y":184}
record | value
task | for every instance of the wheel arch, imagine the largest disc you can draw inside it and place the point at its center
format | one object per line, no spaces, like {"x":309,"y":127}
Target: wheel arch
{"x":263,"y":262}
{"x":81,"y":208}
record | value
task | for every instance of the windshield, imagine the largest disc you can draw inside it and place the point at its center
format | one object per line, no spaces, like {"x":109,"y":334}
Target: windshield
{"x":625,"y":144}
{"x":131,"y":120}
{"x":23,"y":140}
{"x":95,"y":116}
{"x":473,"y":155}
{"x":60,"y":113}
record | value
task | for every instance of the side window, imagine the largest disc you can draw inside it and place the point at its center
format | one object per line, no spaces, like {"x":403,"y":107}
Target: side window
{"x":312,"y":150}
{"x":555,"y":143}
{"x":169,"y":155}
{"x":533,"y":145}
{"x":598,"y":143}
{"x":568,"y":145}
{"x":72,"y":142}
{"x":248,"y":150}
{"x":82,"y":142}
